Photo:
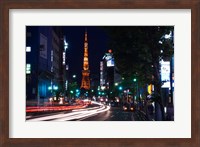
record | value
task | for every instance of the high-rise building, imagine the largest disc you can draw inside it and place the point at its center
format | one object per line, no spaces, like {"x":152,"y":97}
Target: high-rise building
{"x":85,"y":83}
{"x":65,"y":66}
{"x":108,"y":72}
{"x":43,"y":61}
{"x":57,"y":43}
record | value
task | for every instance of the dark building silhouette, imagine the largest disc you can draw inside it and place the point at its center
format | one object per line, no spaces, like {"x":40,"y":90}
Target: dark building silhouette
{"x":108,"y":72}
{"x":44,"y":72}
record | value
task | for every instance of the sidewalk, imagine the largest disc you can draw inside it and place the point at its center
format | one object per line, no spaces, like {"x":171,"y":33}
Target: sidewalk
{"x":169,"y":115}
{"x":149,"y":115}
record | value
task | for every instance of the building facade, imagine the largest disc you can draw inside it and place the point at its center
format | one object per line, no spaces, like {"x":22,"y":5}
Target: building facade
{"x":44,"y":48}
{"x":108,"y":72}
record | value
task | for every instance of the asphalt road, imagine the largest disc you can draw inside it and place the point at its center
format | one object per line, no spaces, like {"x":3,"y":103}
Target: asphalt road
{"x":117,"y":114}
{"x":93,"y":113}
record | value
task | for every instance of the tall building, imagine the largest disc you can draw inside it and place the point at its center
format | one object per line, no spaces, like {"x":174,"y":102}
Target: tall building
{"x":57,"y":43}
{"x":102,"y":75}
{"x":43,"y":61}
{"x":108,"y":72}
{"x":65,"y":66}
{"x":85,"y":83}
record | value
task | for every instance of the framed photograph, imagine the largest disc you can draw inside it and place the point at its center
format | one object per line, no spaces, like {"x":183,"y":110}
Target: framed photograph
{"x":103,"y":73}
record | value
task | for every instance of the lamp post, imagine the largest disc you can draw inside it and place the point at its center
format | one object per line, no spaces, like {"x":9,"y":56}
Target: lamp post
{"x":135,"y":81}
{"x":137,"y":97}
{"x":120,"y":88}
{"x":71,"y":93}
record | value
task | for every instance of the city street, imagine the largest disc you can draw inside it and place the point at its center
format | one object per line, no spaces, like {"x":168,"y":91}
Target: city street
{"x":96,"y":112}
{"x":117,"y":114}
{"x":74,"y":65}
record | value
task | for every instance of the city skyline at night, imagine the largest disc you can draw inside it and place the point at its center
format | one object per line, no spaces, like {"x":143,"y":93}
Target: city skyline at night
{"x":97,"y":44}
{"x":100,"y":70}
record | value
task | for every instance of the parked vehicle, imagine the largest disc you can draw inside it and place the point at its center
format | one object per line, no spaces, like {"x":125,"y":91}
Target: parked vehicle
{"x":128,"y":107}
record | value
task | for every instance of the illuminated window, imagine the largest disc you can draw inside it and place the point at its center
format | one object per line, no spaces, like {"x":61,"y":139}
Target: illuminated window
{"x":51,"y":55}
{"x":65,"y":45}
{"x":28,"y":49}
{"x":67,"y":67}
{"x":28,"y":68}
{"x":63,"y":58}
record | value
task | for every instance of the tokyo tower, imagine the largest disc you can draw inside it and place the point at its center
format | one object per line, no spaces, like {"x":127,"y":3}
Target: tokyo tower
{"x":85,"y":83}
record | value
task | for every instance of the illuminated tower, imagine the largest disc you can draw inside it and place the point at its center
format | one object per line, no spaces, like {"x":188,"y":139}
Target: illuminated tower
{"x":85,"y":72}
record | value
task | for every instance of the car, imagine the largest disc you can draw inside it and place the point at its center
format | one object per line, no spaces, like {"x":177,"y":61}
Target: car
{"x":128,"y":107}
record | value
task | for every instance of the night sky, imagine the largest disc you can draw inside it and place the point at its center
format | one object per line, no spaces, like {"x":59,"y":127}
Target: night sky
{"x":97,"y":46}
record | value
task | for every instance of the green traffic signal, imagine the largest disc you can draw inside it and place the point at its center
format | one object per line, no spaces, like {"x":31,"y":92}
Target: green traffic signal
{"x":120,"y":88}
{"x":49,"y":88}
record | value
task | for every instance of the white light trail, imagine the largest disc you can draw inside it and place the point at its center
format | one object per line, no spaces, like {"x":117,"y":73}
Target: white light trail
{"x":85,"y":114}
{"x":75,"y":114}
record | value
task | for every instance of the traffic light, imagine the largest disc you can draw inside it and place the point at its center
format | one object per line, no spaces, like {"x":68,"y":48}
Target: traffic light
{"x":134,"y":80}
{"x":120,"y":88}
{"x":49,"y":88}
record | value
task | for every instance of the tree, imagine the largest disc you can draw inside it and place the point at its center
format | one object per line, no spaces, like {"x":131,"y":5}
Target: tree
{"x":138,"y":51}
{"x":72,"y":89}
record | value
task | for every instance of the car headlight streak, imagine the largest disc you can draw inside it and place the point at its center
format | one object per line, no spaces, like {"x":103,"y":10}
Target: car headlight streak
{"x":74,"y":115}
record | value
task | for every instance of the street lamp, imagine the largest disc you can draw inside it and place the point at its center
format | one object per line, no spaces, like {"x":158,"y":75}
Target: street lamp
{"x":74,"y":76}
{"x":137,"y":92}
{"x":120,"y":91}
